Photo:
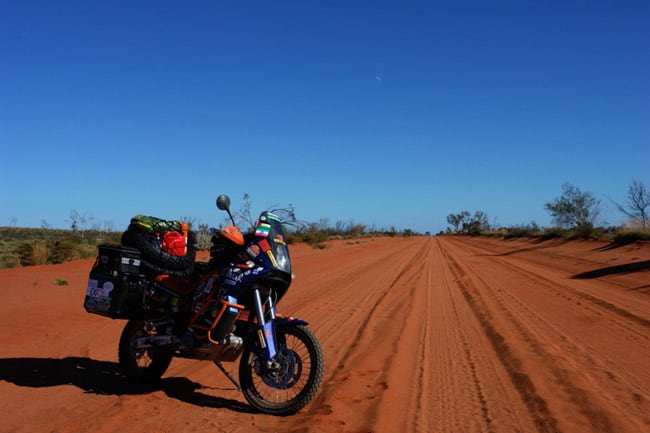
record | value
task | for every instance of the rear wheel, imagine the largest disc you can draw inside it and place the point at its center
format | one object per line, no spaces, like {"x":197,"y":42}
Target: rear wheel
{"x":292,"y":379}
{"x":141,"y":365}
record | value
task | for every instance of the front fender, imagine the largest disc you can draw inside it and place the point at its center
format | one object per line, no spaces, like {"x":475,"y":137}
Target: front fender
{"x":289,"y":321}
{"x":266,"y":334}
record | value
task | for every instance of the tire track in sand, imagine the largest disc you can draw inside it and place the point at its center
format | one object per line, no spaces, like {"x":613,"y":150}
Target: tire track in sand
{"x":545,"y":422}
{"x":555,"y":374}
{"x":563,"y":290}
{"x":430,"y":358}
{"x":611,"y":330}
{"x":349,"y":398}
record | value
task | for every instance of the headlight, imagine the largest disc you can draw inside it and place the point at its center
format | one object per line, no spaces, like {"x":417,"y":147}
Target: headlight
{"x":282,"y":257}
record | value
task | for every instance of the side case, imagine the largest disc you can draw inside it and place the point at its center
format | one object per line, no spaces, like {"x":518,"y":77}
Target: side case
{"x":115,"y":287}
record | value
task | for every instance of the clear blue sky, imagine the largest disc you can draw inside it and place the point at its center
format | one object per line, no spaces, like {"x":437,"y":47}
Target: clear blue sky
{"x":387,"y":113}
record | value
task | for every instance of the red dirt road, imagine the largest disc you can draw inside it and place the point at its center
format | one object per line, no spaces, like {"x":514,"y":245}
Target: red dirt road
{"x":420,"y":335}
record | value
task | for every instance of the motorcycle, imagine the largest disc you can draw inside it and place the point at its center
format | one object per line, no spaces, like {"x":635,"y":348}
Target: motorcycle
{"x":220,"y":311}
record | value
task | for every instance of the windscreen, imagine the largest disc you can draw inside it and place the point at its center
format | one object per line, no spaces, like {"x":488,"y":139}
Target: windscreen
{"x":269,"y":228}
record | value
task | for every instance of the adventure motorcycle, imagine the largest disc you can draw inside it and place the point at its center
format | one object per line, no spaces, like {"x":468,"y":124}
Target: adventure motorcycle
{"x":218,"y":311}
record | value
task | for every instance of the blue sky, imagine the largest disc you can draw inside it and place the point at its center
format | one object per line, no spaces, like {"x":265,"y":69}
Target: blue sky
{"x":384,"y":113}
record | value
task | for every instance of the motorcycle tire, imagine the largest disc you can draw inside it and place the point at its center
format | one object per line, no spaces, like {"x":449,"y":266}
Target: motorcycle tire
{"x":138,"y":238}
{"x":141,"y":366}
{"x":294,"y":381}
{"x":150,"y":268}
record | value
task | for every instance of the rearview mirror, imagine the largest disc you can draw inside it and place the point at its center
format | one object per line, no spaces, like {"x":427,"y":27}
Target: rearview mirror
{"x":223,"y":202}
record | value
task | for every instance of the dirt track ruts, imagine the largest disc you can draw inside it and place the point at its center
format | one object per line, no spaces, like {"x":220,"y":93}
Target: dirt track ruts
{"x":420,"y":335}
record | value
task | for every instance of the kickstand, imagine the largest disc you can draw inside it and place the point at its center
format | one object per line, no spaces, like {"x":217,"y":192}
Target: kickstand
{"x":228,"y":375}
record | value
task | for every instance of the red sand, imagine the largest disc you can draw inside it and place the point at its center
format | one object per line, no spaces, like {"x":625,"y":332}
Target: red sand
{"x":420,"y":335}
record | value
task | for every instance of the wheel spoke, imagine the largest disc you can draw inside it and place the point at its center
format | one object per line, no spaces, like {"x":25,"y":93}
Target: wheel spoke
{"x":289,"y":382}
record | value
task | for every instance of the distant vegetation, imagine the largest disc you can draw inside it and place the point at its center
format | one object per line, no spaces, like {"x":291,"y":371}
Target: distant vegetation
{"x":575,"y":215}
{"x":30,"y":246}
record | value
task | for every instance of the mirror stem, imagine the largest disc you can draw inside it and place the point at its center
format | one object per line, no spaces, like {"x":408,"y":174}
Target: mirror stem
{"x":231,"y":218}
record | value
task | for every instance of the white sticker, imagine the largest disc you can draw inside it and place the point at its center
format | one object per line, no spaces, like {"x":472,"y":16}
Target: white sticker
{"x":132,"y":262}
{"x":108,"y":286}
{"x":92,"y":286}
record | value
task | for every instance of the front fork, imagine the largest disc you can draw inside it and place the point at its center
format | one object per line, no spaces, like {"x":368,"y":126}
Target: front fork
{"x":267,"y":322}
{"x":266,"y":328}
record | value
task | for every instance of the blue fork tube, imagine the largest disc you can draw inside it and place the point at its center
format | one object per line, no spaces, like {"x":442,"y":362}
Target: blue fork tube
{"x":266,"y":331}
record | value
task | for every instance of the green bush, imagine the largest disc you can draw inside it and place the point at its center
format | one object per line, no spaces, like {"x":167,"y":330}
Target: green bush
{"x":9,"y":259}
{"x":625,"y":238}
{"x":315,"y":238}
{"x":554,"y":233}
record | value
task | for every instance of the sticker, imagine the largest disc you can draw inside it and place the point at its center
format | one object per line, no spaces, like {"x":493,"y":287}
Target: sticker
{"x":261,"y":335}
{"x":253,"y":251}
{"x":233,"y":277}
{"x":92,"y":286}
{"x":263,"y":230}
{"x":131,"y":262}
{"x":270,"y":254}
{"x":264,"y":245}
{"x":96,"y":291}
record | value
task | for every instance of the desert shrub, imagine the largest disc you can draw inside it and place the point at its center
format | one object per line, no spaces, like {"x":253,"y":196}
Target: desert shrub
{"x":291,"y":238}
{"x":203,"y":237}
{"x":311,"y":236}
{"x":30,"y":246}
{"x":64,"y":249}
{"x":625,"y":238}
{"x":86,"y":251}
{"x":517,"y":232}
{"x":315,"y":238}
{"x":595,"y":233}
{"x":9,"y":260}
{"x":40,"y":252}
{"x":24,"y":251}
{"x":553,"y":233}
{"x":34,"y":252}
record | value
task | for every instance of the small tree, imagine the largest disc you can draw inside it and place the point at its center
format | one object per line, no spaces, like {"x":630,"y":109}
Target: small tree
{"x":637,"y":204}
{"x":458,"y":219}
{"x":574,"y":210}
{"x":464,"y":222}
{"x":476,"y":223}
{"x":79,"y":223}
{"x":245,"y":214}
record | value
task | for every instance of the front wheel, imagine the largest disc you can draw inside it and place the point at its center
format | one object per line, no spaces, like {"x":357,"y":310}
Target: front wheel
{"x":292,"y":379}
{"x":141,"y":365}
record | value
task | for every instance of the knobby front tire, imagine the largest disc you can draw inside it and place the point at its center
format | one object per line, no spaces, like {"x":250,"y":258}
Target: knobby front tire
{"x":294,"y":380}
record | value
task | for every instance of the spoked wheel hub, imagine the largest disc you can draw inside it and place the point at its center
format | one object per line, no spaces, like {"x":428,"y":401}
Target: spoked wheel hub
{"x":285,"y":384}
{"x":282,"y":372}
